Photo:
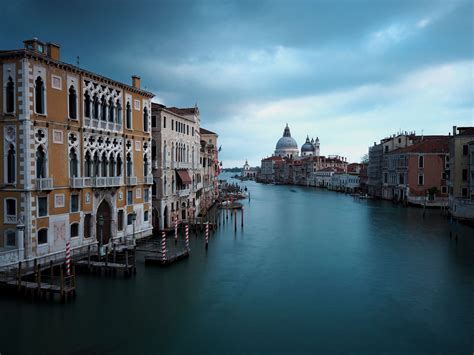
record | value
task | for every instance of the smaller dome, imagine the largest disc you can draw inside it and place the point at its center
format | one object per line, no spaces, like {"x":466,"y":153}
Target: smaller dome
{"x":307,"y":146}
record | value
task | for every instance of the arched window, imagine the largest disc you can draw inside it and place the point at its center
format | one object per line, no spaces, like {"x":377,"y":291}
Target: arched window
{"x":119,"y":112}
{"x":10,"y":96}
{"x":11,"y":164}
{"x":119,"y":165}
{"x":87,"y":165}
{"x":103,"y":114}
{"x":95,"y":111}
{"x":145,"y":119}
{"x":39,"y":95}
{"x":73,"y":164}
{"x":74,"y":230}
{"x":104,"y":164}
{"x":43,"y":236}
{"x":129,"y":165}
{"x":129,"y":116}
{"x":111,"y":110}
{"x":145,"y":165}
{"x":164,"y":186}
{"x":87,"y":105}
{"x":40,"y":163}
{"x":96,"y":165}
{"x":112,"y":166}
{"x":72,"y":103}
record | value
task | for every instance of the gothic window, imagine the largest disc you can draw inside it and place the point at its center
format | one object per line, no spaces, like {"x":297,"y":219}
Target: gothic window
{"x":87,"y":165}
{"x":129,"y":116}
{"x":103,"y":104}
{"x":73,"y":164}
{"x":87,"y":105}
{"x":119,"y":113}
{"x":11,"y":164}
{"x":40,"y":162}
{"x":129,"y":165}
{"x":145,"y":165}
{"x":112,"y":166}
{"x":72,"y":103}
{"x":96,"y":165}
{"x":111,"y":110}
{"x":87,"y":225}
{"x":39,"y":95}
{"x":120,"y":220}
{"x":104,"y":164}
{"x":95,"y":111}
{"x":145,"y":119}
{"x":119,"y":165}
{"x":10,"y":96}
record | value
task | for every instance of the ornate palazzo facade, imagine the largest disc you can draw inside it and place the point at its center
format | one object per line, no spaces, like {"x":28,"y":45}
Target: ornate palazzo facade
{"x":77,"y":149}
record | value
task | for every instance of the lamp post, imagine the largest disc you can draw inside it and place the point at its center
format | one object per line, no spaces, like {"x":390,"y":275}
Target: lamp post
{"x":134,"y":218}
{"x":100,"y":221}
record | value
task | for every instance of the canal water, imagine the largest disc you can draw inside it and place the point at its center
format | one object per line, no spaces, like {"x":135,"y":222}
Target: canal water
{"x":312,"y":271}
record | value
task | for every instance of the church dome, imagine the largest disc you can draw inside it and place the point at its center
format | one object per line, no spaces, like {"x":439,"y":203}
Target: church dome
{"x":286,"y":145}
{"x":307,"y":147}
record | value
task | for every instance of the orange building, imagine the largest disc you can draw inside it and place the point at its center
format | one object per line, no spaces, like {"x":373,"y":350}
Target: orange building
{"x":77,"y":150}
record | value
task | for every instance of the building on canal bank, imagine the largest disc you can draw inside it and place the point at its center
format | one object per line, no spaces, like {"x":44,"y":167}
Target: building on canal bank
{"x":176,"y":164}
{"x":248,"y":172}
{"x":77,"y":151}
{"x":210,"y":170}
{"x":416,"y":174}
{"x":461,"y":173}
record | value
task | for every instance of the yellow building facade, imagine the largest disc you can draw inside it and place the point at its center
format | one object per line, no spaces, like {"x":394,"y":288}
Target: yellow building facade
{"x":77,"y":150}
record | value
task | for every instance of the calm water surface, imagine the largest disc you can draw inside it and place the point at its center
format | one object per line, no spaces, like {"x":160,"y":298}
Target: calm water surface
{"x":312,"y":272}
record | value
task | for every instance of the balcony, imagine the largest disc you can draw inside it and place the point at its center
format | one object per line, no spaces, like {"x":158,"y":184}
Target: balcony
{"x":131,"y":180}
{"x":95,"y":123}
{"x":44,"y":184}
{"x":103,"y":124}
{"x":183,"y":193}
{"x":76,"y":182}
{"x":148,"y":180}
{"x":114,"y":181}
{"x":182,"y":165}
{"x":104,"y":182}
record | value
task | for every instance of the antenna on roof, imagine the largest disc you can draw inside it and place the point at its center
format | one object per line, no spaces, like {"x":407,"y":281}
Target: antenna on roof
{"x":77,"y":60}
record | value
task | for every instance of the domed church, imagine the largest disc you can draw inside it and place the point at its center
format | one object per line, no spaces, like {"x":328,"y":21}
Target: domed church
{"x":310,"y":147}
{"x":286,"y":145}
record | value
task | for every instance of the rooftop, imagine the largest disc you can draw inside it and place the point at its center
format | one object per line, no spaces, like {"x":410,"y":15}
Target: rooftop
{"x":438,"y":144}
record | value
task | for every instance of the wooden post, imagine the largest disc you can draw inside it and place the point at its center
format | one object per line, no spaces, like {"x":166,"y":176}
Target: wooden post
{"x":135,"y":260}
{"x":126,"y":258}
{"x":38,"y":279}
{"x":89,"y":257}
{"x":242,"y":220}
{"x":19,"y":275}
{"x":74,"y":280}
{"x":61,"y":292}
{"x":106,"y":259}
{"x":115,"y":255}
{"x":51,"y":272}
{"x":235,"y":219}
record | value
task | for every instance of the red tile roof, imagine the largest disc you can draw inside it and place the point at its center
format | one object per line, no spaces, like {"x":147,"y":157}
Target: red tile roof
{"x":205,"y":131}
{"x":184,"y":111}
{"x":466,"y":131}
{"x":438,"y":144}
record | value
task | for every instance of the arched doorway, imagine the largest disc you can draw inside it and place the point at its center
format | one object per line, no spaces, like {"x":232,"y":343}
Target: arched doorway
{"x":104,"y":213}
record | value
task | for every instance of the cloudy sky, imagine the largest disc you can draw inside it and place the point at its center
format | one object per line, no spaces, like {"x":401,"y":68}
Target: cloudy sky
{"x":349,"y":72}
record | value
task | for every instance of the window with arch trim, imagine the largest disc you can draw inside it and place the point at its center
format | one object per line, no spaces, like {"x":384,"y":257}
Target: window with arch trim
{"x":39,"y":95}
{"x":129,"y":116}
{"x":145,"y":119}
{"x":87,"y":105}
{"x":43,"y":236}
{"x":72,"y":103}
{"x":11,"y":164}
{"x":10,"y":96}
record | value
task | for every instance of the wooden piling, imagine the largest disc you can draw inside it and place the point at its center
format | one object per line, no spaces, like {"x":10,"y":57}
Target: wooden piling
{"x":242,"y":219}
{"x":235,"y":219}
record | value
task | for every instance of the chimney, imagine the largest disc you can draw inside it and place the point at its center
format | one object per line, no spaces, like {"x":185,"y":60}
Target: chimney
{"x":136,"y":81}
{"x":53,"y":51}
{"x":454,"y":130}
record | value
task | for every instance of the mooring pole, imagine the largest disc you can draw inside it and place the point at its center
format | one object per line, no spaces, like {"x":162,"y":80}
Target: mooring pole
{"x":207,"y":235}
{"x":242,"y":220}
{"x":235,"y":219}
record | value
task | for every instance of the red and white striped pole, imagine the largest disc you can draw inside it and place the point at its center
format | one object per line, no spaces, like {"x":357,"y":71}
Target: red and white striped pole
{"x":176,"y":230}
{"x":207,"y":235}
{"x":187,"y":237}
{"x":163,"y":247}
{"x":68,"y":257}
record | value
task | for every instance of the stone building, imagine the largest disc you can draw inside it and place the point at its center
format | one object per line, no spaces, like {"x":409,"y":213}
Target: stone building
{"x":76,"y":152}
{"x":210,"y":170}
{"x":460,"y":170}
{"x":249,"y":172}
{"x":416,"y":174}
{"x":176,"y":164}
